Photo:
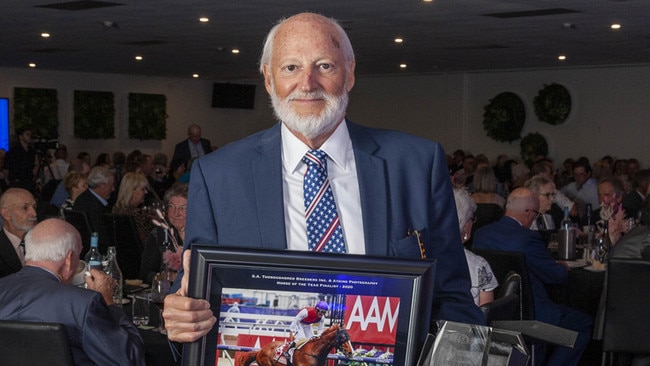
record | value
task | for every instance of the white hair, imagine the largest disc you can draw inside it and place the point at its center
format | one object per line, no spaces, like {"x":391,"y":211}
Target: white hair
{"x":43,"y":245}
{"x":465,"y":206}
{"x":267,"y":49}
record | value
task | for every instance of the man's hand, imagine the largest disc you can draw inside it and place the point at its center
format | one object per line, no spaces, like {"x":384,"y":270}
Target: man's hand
{"x":102,"y":283}
{"x":187,"y":319}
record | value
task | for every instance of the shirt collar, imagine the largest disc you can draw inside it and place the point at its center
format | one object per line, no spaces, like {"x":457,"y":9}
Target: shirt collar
{"x":336,"y":147}
{"x":101,"y":199}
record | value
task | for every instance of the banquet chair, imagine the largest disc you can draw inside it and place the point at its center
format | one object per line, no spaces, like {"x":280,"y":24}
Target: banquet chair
{"x":504,"y":262}
{"x":123,"y":234}
{"x":627,"y":319}
{"x":34,"y":343}
{"x":506,"y":305}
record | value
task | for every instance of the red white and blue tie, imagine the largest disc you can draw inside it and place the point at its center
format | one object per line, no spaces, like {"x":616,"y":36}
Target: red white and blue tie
{"x":324,"y":231}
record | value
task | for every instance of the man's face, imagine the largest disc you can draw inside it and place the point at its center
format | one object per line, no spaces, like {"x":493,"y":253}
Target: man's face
{"x":607,"y":195}
{"x":26,"y":137}
{"x":580,"y":175}
{"x":307,"y":77}
{"x":195,"y":135}
{"x":147,"y":167}
{"x":20,"y":213}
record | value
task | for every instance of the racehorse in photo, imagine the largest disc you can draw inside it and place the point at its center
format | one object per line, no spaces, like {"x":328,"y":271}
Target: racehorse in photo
{"x":312,"y":353}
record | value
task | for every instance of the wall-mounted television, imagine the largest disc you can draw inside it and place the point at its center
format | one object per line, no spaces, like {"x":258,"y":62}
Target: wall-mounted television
{"x":228,"y":95}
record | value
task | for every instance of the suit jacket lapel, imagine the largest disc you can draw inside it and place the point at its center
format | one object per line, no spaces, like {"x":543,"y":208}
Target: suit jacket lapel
{"x":8,"y":254}
{"x":371,"y":172}
{"x":267,"y":175}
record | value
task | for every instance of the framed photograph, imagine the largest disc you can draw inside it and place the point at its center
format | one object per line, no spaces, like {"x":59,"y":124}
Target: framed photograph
{"x":382,"y":304}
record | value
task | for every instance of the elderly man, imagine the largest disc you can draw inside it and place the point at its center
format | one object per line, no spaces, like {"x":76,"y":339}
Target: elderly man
{"x":18,"y":211}
{"x":193,"y":147}
{"x":94,"y":202}
{"x":99,"y":331}
{"x":512,"y":233}
{"x":379,"y":185}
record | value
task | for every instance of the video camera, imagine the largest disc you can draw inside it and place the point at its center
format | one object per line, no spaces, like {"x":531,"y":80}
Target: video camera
{"x":42,"y":145}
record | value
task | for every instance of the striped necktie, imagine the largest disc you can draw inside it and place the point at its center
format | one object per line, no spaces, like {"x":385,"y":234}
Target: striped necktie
{"x":324,"y":231}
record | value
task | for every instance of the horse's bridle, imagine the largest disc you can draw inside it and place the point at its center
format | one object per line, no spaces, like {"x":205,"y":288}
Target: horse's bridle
{"x":342,"y":336}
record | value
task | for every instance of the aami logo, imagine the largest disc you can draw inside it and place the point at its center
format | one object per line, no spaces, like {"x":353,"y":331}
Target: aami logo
{"x":372,"y":318}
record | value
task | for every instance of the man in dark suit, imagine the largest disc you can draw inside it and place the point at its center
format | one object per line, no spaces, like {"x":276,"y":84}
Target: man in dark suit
{"x":99,"y":331}
{"x":94,"y":202}
{"x":386,"y":184}
{"x":512,"y":233}
{"x":18,"y":211}
{"x":193,"y":147}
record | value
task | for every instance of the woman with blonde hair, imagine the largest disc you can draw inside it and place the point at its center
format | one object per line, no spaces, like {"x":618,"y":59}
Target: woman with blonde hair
{"x":130,"y":198}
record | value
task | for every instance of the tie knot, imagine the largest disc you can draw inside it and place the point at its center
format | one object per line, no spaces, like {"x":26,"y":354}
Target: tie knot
{"x":316,"y":157}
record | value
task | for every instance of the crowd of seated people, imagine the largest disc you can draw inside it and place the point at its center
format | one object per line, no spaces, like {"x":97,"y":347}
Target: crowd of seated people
{"x":577,"y":185}
{"x":116,"y":182}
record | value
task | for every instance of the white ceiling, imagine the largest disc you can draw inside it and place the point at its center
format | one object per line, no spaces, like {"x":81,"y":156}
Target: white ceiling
{"x":439,"y":36}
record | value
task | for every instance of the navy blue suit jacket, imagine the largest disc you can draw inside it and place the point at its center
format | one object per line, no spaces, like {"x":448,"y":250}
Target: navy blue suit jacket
{"x":236,"y":198}
{"x":507,"y":234}
{"x":99,"y":334}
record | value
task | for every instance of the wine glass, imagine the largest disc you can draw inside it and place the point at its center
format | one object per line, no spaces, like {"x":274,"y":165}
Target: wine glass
{"x":159,"y":289}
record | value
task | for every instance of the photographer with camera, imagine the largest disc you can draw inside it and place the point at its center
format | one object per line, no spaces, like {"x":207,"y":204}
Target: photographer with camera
{"x":21,"y":161}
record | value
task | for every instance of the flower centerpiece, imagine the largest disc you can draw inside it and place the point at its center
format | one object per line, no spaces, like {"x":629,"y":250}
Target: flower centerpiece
{"x":171,"y":255}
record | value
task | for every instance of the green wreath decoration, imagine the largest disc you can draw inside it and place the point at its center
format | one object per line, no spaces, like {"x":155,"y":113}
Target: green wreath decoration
{"x":532,"y":146}
{"x":553,"y":104}
{"x":504,"y":117}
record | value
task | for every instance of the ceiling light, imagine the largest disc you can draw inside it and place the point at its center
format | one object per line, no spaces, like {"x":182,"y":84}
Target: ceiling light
{"x":204,"y":19}
{"x":45,"y":35}
{"x":235,"y":51}
{"x":399,"y":40}
{"x":138,"y":58}
{"x":615,"y":26}
{"x":32,"y":65}
{"x":195,"y":75}
{"x":402,"y":66}
{"x":428,"y":1}
{"x":561,"y":57}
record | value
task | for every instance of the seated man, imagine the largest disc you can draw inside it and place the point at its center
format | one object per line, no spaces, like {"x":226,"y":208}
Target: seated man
{"x":99,"y":331}
{"x":512,"y":233}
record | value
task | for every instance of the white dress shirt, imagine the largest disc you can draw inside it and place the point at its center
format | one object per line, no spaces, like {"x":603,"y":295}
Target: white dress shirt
{"x":342,"y":173}
{"x":15,"y":241}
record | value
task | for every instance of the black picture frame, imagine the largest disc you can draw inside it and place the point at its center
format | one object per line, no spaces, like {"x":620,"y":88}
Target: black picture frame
{"x":218,"y":268}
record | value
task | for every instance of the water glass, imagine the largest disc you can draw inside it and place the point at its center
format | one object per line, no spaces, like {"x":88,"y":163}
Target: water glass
{"x":140,"y":308}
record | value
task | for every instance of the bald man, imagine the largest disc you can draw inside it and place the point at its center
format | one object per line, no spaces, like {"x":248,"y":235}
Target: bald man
{"x":512,"y":233}
{"x":194,"y":147}
{"x":99,"y":331}
{"x":18,"y":211}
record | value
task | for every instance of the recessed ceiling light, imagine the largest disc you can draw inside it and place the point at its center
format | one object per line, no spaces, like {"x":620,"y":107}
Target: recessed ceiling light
{"x":32,"y":65}
{"x":45,"y":35}
{"x":204,"y":19}
{"x":428,"y":1}
{"x":561,"y":57}
{"x":235,"y":51}
{"x":402,"y":66}
{"x":195,"y":75}
{"x":138,"y":58}
{"x":399,"y":40}
{"x":615,"y":26}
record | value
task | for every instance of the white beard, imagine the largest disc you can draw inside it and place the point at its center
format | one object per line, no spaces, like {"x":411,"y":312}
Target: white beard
{"x":310,"y":126}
